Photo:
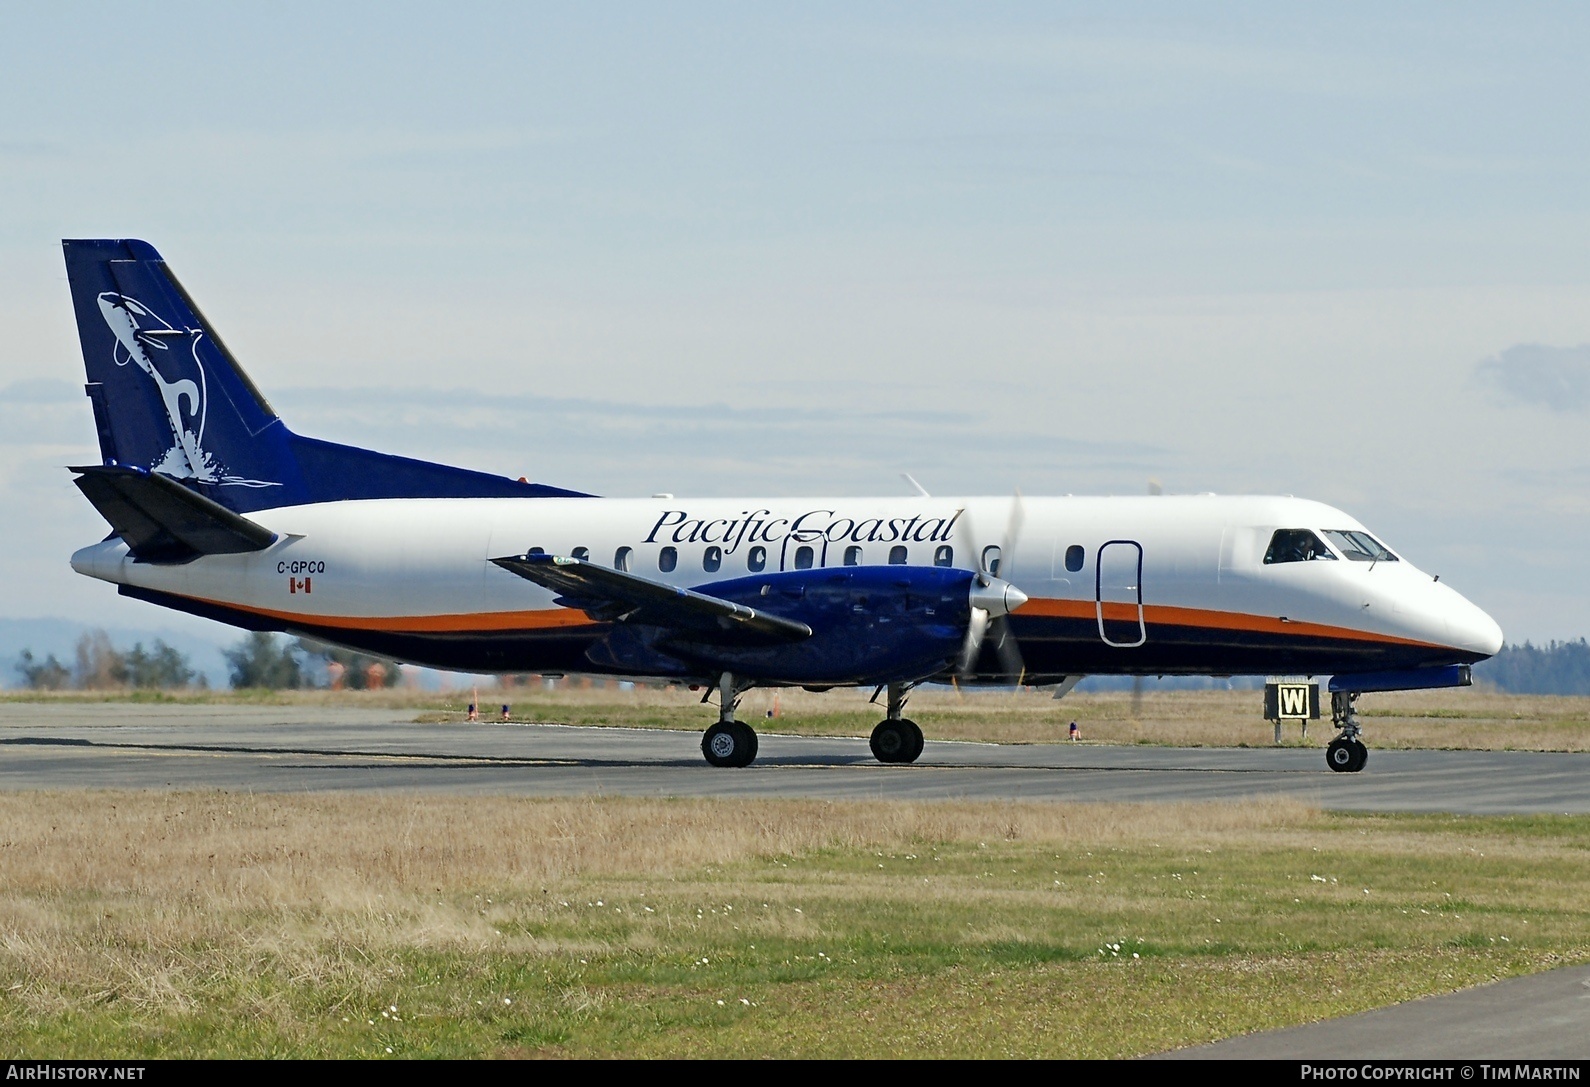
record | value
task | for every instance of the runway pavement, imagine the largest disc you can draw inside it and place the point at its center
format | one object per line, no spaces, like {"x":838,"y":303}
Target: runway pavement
{"x":299,"y":748}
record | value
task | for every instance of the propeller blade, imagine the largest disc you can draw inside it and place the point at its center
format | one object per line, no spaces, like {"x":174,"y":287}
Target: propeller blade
{"x":1007,"y":548}
{"x":1010,"y":660}
{"x":976,"y":628}
{"x":984,"y":575}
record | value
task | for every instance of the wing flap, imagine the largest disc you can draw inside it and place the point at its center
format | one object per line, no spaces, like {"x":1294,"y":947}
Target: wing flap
{"x":619,"y":596}
{"x":163,"y":521}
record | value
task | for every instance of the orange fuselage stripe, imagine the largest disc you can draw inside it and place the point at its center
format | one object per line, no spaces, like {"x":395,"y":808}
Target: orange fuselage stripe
{"x":547,"y":619}
{"x":1204,"y":619}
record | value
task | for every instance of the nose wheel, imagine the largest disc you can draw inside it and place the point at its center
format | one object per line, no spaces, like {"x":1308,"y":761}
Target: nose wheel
{"x":1346,"y":754}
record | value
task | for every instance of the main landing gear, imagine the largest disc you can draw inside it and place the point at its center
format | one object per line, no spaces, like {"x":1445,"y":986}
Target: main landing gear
{"x":729,"y":742}
{"x":733,"y":743}
{"x":1346,"y":754}
{"x":896,"y":739}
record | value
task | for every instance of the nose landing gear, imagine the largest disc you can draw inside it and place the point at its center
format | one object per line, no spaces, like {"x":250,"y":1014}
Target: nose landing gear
{"x":896,"y":739}
{"x":1346,"y":754}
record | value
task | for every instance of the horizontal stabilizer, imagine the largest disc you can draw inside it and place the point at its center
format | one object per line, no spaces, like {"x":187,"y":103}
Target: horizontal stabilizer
{"x":618,"y":596}
{"x":163,"y":521}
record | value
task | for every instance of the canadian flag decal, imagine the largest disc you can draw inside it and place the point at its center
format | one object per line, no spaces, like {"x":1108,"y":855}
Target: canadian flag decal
{"x":298,"y":585}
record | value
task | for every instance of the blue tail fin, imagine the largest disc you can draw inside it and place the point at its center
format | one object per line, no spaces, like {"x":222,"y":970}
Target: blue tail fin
{"x":169,"y":398}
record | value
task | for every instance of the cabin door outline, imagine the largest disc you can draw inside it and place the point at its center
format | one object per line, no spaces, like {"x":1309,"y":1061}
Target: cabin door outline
{"x":1118,"y":585}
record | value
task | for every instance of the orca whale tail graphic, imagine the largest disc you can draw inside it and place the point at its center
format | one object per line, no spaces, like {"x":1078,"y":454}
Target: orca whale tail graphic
{"x":170,"y":399}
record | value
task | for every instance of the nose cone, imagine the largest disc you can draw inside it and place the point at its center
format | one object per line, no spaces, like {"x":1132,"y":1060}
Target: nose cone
{"x":1476,"y":631}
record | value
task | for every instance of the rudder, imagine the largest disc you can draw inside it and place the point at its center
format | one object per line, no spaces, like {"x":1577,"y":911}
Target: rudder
{"x":167,"y":395}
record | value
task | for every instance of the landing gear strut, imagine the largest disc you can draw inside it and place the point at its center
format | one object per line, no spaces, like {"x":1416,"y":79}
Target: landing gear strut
{"x":896,"y":739}
{"x":1346,"y":754}
{"x":729,"y":742}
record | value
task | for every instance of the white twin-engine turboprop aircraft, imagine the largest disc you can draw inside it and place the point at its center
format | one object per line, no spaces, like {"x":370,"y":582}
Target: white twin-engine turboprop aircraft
{"x":217,"y":509}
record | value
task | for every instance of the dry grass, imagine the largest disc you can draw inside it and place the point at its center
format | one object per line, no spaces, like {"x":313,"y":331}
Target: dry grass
{"x":395,"y":698}
{"x":249,"y":852}
{"x":207,"y":923}
{"x":146,"y":899}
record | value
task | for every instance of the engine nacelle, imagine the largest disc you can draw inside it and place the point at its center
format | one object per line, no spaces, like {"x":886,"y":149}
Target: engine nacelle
{"x":870,"y":624}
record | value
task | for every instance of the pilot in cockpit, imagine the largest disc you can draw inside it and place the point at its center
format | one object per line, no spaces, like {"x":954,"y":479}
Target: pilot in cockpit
{"x":1295,"y":545}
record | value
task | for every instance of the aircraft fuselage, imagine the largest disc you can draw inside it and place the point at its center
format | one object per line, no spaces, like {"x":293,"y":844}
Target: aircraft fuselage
{"x":1161,"y":585}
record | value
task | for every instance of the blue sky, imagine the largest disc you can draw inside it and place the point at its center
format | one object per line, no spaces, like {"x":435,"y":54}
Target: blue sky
{"x":736,"y":249}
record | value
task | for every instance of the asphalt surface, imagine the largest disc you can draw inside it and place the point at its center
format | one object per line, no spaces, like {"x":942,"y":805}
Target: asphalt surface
{"x":297,"y":748}
{"x":1543,"y":1017}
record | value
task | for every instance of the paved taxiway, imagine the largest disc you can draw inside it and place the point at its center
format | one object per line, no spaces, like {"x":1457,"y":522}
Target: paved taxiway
{"x":1543,"y":1017}
{"x":301,"y":748}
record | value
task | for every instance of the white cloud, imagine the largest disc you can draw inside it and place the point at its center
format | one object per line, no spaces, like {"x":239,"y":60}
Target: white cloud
{"x":1553,"y":377}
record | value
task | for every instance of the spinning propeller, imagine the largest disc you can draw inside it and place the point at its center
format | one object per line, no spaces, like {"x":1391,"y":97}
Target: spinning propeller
{"x":993,"y":598}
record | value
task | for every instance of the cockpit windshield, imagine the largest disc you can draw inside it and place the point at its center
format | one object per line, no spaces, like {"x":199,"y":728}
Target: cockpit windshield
{"x":1359,"y":546}
{"x":1296,"y":545}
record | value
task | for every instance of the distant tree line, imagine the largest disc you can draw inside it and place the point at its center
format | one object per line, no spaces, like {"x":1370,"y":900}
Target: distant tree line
{"x":99,"y":666}
{"x":1554,"y":668}
{"x":260,"y":660}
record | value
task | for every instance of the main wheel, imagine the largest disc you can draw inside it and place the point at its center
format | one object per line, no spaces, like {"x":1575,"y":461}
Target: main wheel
{"x":1339,"y":756}
{"x":1360,"y":756}
{"x":729,"y":743}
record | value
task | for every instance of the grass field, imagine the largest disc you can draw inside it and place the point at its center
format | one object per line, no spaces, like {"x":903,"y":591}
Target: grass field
{"x":1467,"y":718}
{"x":143,"y":924}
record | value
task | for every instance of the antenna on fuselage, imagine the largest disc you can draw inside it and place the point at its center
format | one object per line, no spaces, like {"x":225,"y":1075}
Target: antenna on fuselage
{"x":921,"y":491}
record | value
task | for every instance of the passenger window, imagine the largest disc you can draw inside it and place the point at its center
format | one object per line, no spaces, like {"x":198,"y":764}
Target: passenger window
{"x":621,"y":558}
{"x":581,"y":553}
{"x":667,"y":559}
{"x":944,"y":556}
{"x":1295,"y":545}
{"x":1075,"y":556}
{"x":852,"y":555}
{"x":756,"y":561}
{"x":803,"y":558}
{"x":712,"y":560}
{"x":897,"y":555}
